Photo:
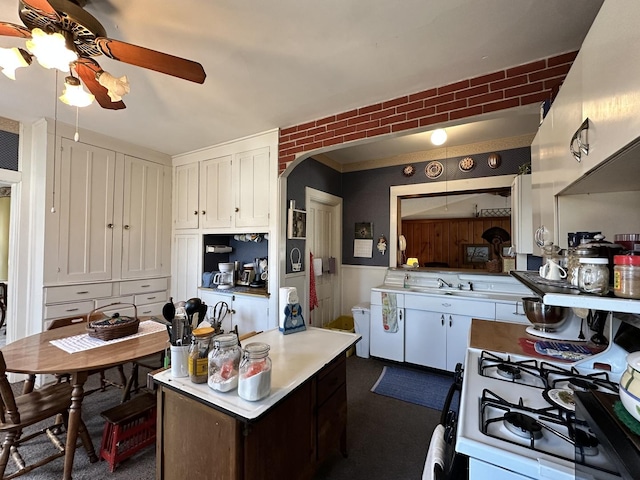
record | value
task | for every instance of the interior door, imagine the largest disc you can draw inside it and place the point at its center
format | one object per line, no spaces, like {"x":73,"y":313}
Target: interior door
{"x":324,"y":212}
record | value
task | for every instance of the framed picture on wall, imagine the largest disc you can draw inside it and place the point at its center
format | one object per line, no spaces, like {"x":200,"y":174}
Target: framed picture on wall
{"x":472,"y":253}
{"x":297,"y":227}
{"x":363,"y":230}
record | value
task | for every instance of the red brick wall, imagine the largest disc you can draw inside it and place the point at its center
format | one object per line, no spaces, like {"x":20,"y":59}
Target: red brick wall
{"x":513,"y":87}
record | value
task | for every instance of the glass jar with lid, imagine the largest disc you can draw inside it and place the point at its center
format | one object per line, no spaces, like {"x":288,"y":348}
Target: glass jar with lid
{"x":593,"y":276}
{"x":626,"y":276}
{"x":201,"y":344}
{"x":255,"y":372}
{"x":573,"y":261}
{"x":224,"y":362}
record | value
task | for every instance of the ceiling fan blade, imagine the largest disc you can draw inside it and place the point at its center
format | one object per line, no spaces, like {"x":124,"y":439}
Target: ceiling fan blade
{"x":11,"y":30}
{"x":86,"y":69}
{"x":151,"y":59}
{"x":42,"y":6}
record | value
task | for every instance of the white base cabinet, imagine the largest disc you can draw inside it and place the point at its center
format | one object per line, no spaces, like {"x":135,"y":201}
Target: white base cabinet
{"x":249,"y":312}
{"x":382,"y":343}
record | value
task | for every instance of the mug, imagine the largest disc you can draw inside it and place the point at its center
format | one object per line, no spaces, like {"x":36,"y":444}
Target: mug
{"x":179,"y":361}
{"x":223,"y":278}
{"x":552,"y":271}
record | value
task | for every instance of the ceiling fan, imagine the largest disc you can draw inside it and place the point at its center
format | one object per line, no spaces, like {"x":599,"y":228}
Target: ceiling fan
{"x":85,"y":36}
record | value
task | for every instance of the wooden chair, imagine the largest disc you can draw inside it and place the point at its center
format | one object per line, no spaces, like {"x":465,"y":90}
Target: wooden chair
{"x":3,"y":304}
{"x":18,"y":413}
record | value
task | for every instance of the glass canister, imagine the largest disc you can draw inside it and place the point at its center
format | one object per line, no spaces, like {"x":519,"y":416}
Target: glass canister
{"x":255,"y":372}
{"x":573,"y":261}
{"x":201,"y":344}
{"x":224,"y":362}
{"x":626,"y":276}
{"x":593,"y":276}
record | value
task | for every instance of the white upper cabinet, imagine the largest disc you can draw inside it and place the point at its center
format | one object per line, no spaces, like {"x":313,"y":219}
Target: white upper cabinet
{"x":251,"y":172}
{"x":186,"y":201}
{"x":230,"y":191}
{"x":610,"y":72}
{"x":85,"y":213}
{"x":216,"y":193}
{"x":146,"y":219}
{"x":521,"y":215}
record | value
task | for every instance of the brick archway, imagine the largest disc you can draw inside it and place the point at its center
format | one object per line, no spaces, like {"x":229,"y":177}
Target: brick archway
{"x":517,"y":86}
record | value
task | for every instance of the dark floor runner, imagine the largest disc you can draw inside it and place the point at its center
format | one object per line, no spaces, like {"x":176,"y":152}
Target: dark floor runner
{"x":422,"y":388}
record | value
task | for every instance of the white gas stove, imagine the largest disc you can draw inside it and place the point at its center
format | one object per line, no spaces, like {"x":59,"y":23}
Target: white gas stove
{"x":517,"y":418}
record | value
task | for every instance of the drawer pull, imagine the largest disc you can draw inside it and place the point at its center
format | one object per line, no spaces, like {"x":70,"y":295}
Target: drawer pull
{"x":151,"y":298}
{"x":147,"y":312}
{"x":145,"y":286}
{"x":72,"y":309}
{"x":83,"y":292}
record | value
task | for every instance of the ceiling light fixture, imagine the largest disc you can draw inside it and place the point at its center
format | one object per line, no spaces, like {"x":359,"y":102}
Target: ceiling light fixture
{"x":12,"y":58}
{"x":51,"y":50}
{"x":116,"y":87}
{"x":74,"y":94}
{"x":439,"y":136}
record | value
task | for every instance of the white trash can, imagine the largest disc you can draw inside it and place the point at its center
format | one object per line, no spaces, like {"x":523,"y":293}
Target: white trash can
{"x":361,"y":315}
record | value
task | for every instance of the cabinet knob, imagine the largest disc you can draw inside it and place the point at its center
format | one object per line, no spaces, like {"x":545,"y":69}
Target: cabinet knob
{"x":203,"y":212}
{"x":195,"y":212}
{"x":442,"y":320}
{"x":110,"y":225}
{"x":450,"y":321}
{"x":237,"y":210}
{"x":126,"y":227}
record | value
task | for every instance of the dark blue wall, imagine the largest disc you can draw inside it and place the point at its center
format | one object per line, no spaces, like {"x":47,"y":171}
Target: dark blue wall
{"x":365,"y":193}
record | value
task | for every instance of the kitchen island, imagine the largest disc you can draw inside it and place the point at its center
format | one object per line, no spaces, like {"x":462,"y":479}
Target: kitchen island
{"x":202,"y":433}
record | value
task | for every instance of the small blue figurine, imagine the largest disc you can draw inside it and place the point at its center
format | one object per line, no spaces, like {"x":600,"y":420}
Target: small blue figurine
{"x":293,"y":321}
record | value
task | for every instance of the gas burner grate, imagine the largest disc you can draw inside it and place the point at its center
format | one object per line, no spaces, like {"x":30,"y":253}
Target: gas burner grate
{"x":558,"y":377}
{"x":526,"y":372}
{"x":553,"y":412}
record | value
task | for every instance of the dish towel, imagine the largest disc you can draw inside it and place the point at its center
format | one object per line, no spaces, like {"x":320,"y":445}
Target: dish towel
{"x":313,"y":296}
{"x":435,"y":455}
{"x":389,"y":312}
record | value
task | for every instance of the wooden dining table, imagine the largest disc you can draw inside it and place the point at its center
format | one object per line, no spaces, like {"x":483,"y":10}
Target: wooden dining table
{"x":36,"y":355}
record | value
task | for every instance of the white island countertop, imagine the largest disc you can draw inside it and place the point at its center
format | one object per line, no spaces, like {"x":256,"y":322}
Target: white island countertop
{"x":295,"y":358}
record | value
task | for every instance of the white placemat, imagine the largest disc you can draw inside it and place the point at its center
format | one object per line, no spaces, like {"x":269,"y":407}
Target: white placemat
{"x":82,"y":342}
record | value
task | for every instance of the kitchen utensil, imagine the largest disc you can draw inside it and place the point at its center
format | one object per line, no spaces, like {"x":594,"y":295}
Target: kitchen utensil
{"x":169,"y":310}
{"x":191,"y":307}
{"x":220,"y":311}
{"x":597,"y":322}
{"x":552,"y":271}
{"x":546,"y":318}
{"x":582,"y":313}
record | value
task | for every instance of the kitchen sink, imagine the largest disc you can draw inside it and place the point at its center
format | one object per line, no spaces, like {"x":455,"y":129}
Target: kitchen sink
{"x":455,"y":293}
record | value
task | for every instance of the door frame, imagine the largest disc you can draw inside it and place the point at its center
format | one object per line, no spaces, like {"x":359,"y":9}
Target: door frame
{"x":311,"y":195}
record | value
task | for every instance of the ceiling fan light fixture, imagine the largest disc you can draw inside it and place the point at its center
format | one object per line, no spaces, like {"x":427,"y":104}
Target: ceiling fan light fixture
{"x":50,"y":49}
{"x":74,"y":94}
{"x":13,"y":58}
{"x":439,"y":136}
{"x":116,"y":87}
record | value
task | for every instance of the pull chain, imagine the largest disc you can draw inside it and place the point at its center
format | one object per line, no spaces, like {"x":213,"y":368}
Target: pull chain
{"x":55,"y":147}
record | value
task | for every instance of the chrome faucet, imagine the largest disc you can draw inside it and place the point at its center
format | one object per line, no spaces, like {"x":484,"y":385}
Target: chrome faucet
{"x":442,"y":283}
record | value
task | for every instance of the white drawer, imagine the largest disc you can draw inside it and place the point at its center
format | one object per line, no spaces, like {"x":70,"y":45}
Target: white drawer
{"x":124,"y":310}
{"x":153,"y":297}
{"x":376,"y":297}
{"x":141,"y":286}
{"x":67,"y":309}
{"x":446,"y":304}
{"x":152,"y":309}
{"x":71,"y":293}
{"x":511,"y":312}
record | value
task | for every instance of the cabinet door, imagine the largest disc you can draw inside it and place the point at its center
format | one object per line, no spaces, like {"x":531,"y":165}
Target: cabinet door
{"x":425,"y":338}
{"x":87,"y":179}
{"x":216,"y":201}
{"x":252,"y":173}
{"x":145,"y":222}
{"x":521,"y":233}
{"x":211,"y":297}
{"x":185,"y":276}
{"x":611,"y":92}
{"x":185,"y":202}
{"x":458,"y":327}
{"x":543,"y":200}
{"x":250,"y":314}
{"x":384,"y":344}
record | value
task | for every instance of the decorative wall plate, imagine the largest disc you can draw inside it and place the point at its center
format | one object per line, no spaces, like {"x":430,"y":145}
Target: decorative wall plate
{"x":494,"y":160}
{"x":466,"y":164}
{"x":409,"y":170}
{"x":433,"y":169}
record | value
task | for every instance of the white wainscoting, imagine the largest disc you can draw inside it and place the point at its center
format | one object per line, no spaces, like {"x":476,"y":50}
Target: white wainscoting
{"x":357,"y":282}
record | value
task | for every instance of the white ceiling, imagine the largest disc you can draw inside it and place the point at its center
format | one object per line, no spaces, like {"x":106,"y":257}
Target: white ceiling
{"x":274,"y":64}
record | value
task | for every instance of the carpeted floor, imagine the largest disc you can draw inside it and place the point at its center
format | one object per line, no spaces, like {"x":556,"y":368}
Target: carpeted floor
{"x":387,"y":438}
{"x":415,"y":386}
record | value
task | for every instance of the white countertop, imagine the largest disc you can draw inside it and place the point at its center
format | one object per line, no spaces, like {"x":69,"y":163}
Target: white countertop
{"x":295,"y":358}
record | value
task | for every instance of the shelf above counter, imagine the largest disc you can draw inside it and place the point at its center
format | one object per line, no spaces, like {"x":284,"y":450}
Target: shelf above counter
{"x":568,"y":296}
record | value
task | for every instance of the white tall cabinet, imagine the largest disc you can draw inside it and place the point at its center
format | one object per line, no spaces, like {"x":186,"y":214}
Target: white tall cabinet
{"x":227,"y":189}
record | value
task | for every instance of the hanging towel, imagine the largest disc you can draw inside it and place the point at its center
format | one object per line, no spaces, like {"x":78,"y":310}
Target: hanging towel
{"x":435,"y":455}
{"x":313,"y":296}
{"x":389,"y":312}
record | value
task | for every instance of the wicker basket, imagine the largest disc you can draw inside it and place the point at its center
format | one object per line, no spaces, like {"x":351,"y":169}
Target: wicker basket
{"x":116,"y":326}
